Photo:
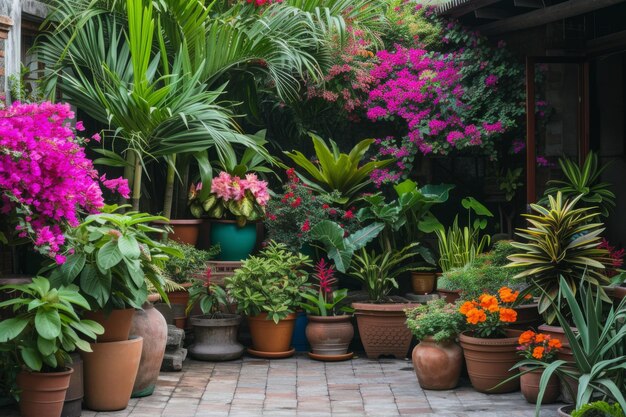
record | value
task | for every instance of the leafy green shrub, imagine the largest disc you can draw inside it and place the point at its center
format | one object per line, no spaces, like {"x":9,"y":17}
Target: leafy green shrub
{"x":193,"y":261}
{"x":436,"y":318}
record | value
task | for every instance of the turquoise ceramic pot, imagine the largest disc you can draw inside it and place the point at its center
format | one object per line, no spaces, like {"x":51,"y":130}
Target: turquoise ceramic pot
{"x":237,"y":243}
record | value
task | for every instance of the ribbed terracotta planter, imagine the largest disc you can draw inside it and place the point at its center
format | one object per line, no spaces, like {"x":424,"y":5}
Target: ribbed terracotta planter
{"x":116,"y":324}
{"x":268,"y":336}
{"x":529,"y":384}
{"x":110,"y":373}
{"x":437,"y":365}
{"x":489,"y":360}
{"x":216,"y":338}
{"x":149,"y":324}
{"x":383,"y":330}
{"x":330,"y":335}
{"x":423,"y":282}
{"x":43,"y":393}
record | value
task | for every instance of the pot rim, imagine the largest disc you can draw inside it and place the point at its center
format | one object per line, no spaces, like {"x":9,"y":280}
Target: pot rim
{"x":501,"y":341}
{"x":67,"y":370}
{"x":263,"y":316}
{"x":229,"y":221}
{"x":331,"y":319}
{"x":181,"y":222}
{"x":431,"y":339}
{"x":206,"y":321}
{"x":365,"y":307}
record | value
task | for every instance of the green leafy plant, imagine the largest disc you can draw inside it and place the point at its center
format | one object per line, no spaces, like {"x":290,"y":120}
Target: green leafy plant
{"x":340,"y":248}
{"x":210,"y":296}
{"x":599,"y":409}
{"x":320,"y":299}
{"x":561,"y":244}
{"x":458,"y":246}
{"x":270,"y":282}
{"x":436,"y":319}
{"x":597,"y":344}
{"x":191,"y":262}
{"x":45,"y":326}
{"x":337,"y":171}
{"x":378,"y":272}
{"x":115,"y":258}
{"x":584,"y":181}
{"x":407,"y":218}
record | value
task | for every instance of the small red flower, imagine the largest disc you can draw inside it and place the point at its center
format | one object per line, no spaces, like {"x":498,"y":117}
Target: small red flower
{"x":306,"y":226}
{"x":348,"y":215}
{"x":296,"y":202}
{"x":325,"y":206}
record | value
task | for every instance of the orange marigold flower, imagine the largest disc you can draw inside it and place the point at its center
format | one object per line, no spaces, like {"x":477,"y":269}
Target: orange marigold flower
{"x":489,"y":302}
{"x":540,"y":338}
{"x":508,"y":315}
{"x":475,"y":316}
{"x":528,"y":296}
{"x":507,"y":295}
{"x":526,"y":337}
{"x":467,"y":306}
{"x":538,"y":352}
{"x":555,"y":343}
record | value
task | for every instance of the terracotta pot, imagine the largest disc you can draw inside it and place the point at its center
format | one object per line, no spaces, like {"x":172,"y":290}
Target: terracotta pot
{"x":185,"y":230}
{"x":110,"y":373}
{"x":423,"y":282}
{"x":116,"y":325}
{"x":268,"y":336}
{"x":437,"y":365}
{"x":382,"y":329}
{"x":180,"y":297}
{"x":565,"y":411}
{"x":73,"y":405}
{"x":529,"y":383}
{"x":42,"y":393}
{"x":149,"y":324}
{"x":557,"y":332}
{"x":489,"y":360}
{"x":216,"y":338}
{"x":617,"y":294}
{"x":527,"y":317}
{"x":330,"y":335}
{"x":449,"y":295}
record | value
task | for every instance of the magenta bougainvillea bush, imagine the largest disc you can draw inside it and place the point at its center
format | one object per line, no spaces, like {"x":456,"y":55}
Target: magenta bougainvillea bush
{"x":45,"y":177}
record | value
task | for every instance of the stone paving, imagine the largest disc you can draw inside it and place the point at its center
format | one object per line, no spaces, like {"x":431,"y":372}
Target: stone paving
{"x":301,"y":387}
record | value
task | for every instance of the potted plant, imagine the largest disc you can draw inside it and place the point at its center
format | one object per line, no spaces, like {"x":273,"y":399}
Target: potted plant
{"x":381,"y":321}
{"x":489,"y":348}
{"x":267,"y":289}
{"x":233,"y":205}
{"x":598,"y":409}
{"x":215,"y":332}
{"x":328,"y":332}
{"x":39,"y":336}
{"x":437,"y":359}
{"x":544,"y":348}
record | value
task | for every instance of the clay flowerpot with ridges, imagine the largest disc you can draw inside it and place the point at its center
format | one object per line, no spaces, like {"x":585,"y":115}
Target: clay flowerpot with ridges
{"x":330,"y":335}
{"x":43,"y":393}
{"x":382,"y":329}
{"x":268,"y":336}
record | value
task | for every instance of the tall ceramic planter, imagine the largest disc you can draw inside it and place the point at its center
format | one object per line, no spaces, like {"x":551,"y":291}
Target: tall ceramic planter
{"x":423,"y":282}
{"x":382,"y":329}
{"x":437,"y":365}
{"x":43,"y":393}
{"x":116,"y":324}
{"x":330,"y":336}
{"x":216,"y":338}
{"x":110,"y":373}
{"x":269,"y":339}
{"x":236,"y":243}
{"x":149,"y":324}
{"x":529,"y":383}
{"x":489,"y":360}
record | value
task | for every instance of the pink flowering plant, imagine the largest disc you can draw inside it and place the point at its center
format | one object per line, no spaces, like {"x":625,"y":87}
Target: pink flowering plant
{"x":319,"y":298}
{"x":243,"y":199}
{"x":292,"y":214}
{"x":46,"y":179}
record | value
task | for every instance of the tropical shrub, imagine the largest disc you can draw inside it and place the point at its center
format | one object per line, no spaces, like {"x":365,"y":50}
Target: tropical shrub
{"x":436,"y":319}
{"x":192,"y":262}
{"x":599,"y":409}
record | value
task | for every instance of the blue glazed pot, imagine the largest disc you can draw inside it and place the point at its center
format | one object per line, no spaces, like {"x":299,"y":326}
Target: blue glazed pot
{"x":299,"y":340}
{"x":237,"y":243}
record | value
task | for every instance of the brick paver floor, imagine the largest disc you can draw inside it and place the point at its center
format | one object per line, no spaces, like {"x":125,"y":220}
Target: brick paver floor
{"x":301,"y":387}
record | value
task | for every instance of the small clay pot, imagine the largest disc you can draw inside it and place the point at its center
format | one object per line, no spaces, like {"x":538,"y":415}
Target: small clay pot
{"x":116,"y":324}
{"x":423,"y":282}
{"x":437,"y":365}
{"x":529,"y":384}
{"x":330,"y":335}
{"x":43,"y":393}
{"x":268,"y":336}
{"x":149,"y":324}
{"x":449,"y":295}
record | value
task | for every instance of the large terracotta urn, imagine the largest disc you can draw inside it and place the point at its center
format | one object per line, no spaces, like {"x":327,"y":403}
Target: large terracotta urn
{"x":149,"y":324}
{"x":437,"y":365}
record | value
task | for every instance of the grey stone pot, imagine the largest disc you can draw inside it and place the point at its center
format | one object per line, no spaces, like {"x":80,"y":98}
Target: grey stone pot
{"x":216,"y":339}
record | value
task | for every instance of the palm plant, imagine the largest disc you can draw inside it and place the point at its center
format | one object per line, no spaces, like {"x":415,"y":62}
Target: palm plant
{"x":336,"y":171}
{"x":584,"y":181}
{"x":561,"y":241}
